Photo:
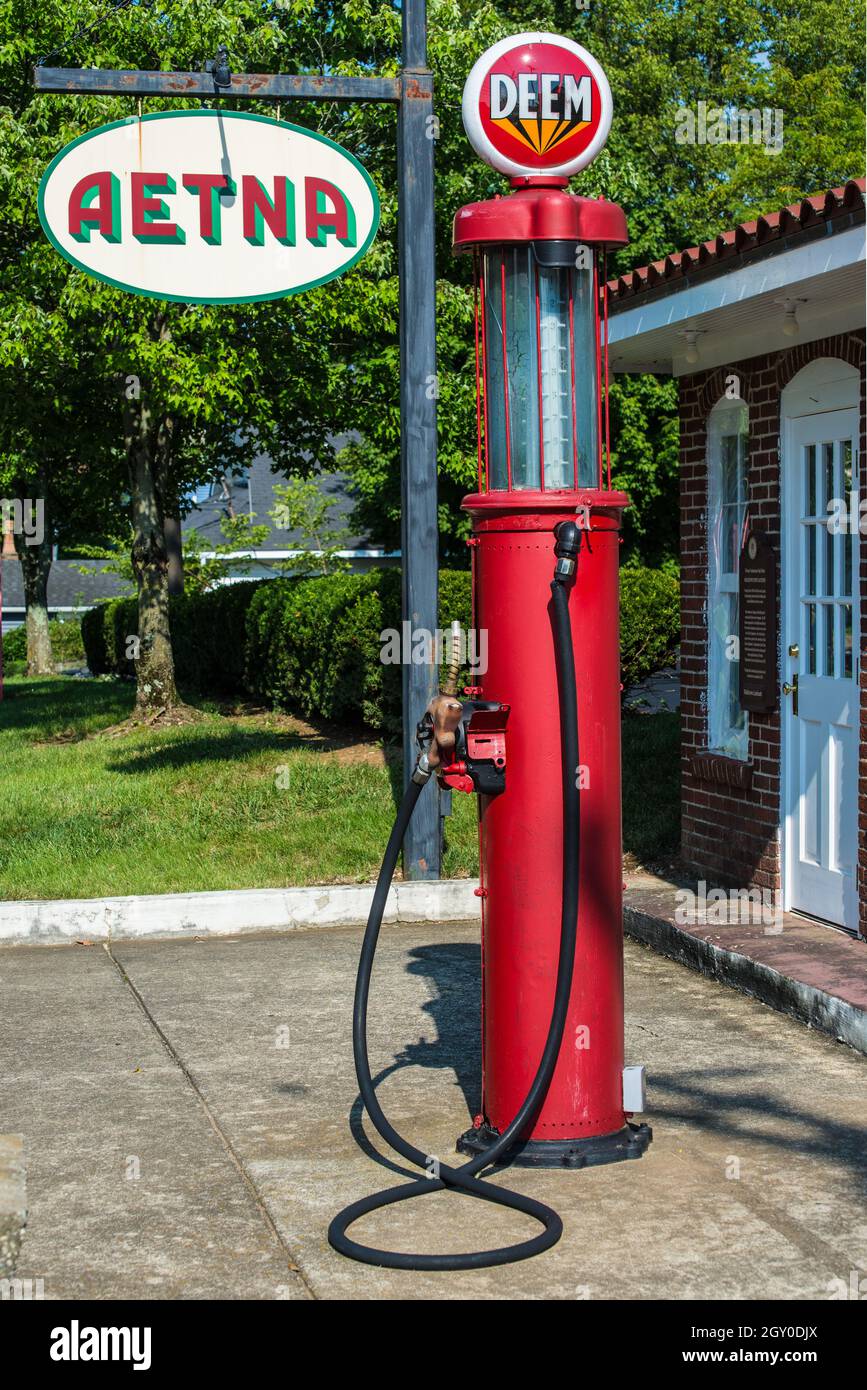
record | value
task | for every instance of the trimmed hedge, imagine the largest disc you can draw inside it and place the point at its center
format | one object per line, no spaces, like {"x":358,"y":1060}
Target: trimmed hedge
{"x":314,"y":645}
{"x":66,"y":641}
{"x":649,"y":621}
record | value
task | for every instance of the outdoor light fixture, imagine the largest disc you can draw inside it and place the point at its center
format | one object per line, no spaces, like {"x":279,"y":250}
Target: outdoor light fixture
{"x":691,"y":335}
{"x":791,"y":327}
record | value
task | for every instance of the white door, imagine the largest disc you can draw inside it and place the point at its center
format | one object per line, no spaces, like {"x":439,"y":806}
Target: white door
{"x":820,"y":630}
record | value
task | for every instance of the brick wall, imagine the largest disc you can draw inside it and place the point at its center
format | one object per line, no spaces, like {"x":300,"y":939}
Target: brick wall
{"x":731,"y":811}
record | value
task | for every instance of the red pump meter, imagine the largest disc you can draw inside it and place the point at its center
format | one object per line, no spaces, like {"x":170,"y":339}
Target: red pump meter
{"x":539,"y":258}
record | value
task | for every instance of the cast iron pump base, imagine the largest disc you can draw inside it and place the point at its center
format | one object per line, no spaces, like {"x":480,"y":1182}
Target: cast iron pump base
{"x":629,"y":1142}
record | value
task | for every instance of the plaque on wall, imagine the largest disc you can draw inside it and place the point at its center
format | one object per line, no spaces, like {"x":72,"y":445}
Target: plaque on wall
{"x":757,"y":624}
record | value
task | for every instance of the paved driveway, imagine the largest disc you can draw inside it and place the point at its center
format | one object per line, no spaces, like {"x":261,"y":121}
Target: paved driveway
{"x":185,"y":1107}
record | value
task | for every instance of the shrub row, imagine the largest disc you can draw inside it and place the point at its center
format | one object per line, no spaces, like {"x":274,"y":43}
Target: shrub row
{"x":65,"y":636}
{"x":649,"y":621}
{"x":314,"y":645}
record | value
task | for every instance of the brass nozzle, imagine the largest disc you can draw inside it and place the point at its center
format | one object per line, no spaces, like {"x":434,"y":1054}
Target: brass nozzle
{"x":445,"y":711}
{"x":451,"y":681}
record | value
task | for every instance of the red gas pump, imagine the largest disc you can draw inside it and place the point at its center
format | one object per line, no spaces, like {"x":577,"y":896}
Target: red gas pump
{"x":539,"y":739}
{"x":543,"y":458}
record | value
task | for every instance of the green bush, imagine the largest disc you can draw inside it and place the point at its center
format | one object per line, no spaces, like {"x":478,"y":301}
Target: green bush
{"x":649,"y":621}
{"x":15,"y":645}
{"x":66,"y":642}
{"x":93,"y":636}
{"x":208,"y":637}
{"x":315,"y":645}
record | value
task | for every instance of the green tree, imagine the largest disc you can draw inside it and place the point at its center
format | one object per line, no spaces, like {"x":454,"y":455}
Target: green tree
{"x":186,"y":388}
{"x":304,"y":508}
{"x":49,"y":411}
{"x":805,"y":60}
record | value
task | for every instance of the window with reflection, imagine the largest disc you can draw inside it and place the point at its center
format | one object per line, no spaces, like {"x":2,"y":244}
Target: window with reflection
{"x":728,"y":429}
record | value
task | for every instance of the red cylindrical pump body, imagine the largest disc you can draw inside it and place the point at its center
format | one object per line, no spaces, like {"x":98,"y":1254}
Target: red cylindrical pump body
{"x":541,"y":327}
{"x":521,"y":830}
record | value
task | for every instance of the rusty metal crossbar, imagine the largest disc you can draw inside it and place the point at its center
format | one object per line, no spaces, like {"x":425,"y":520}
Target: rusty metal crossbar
{"x":262,"y":86}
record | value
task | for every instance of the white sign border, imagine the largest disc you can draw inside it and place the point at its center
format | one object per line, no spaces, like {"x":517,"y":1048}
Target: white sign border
{"x":216,"y":299}
{"x":473,"y":124}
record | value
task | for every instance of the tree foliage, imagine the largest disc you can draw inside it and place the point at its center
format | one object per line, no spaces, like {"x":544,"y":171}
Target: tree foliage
{"x":219,"y":383}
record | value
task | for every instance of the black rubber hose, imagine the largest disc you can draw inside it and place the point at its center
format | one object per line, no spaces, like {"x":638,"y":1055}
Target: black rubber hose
{"x":464,"y":1178}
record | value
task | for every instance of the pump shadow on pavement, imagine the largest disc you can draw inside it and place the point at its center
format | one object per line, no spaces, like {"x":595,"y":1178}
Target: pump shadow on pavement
{"x":454,"y":972}
{"x":727,"y":1103}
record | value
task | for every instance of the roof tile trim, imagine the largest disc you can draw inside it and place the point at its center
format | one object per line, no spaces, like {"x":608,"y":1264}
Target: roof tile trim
{"x":746,"y":236}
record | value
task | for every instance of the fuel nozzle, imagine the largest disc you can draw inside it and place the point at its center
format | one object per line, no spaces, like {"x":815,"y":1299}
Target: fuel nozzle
{"x":568,"y":544}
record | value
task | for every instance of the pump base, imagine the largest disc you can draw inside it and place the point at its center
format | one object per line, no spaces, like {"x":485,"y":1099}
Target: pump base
{"x":629,"y":1142}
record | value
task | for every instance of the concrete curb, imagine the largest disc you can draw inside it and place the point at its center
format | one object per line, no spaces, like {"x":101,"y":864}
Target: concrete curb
{"x":231,"y":913}
{"x":815,"y":1007}
{"x":13,"y":1201}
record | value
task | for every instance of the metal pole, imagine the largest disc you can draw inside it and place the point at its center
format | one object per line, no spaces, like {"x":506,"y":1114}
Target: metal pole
{"x":419,"y":538}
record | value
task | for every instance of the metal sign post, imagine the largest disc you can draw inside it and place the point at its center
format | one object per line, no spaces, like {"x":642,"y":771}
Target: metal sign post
{"x":412,"y":93}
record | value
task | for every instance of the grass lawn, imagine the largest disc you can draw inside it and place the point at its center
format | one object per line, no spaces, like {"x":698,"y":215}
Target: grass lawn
{"x":239,"y":801}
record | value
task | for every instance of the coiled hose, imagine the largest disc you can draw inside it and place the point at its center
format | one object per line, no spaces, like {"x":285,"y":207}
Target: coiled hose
{"x":465,"y":1177}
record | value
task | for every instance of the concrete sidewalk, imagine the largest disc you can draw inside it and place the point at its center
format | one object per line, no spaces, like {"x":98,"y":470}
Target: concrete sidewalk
{"x":801,"y":967}
{"x":184,"y":1107}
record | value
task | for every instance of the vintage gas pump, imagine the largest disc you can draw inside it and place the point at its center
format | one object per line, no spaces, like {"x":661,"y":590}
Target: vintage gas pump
{"x":538,"y":739}
{"x":539,"y":258}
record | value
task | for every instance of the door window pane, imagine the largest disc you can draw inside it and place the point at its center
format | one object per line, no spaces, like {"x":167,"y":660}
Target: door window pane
{"x":810,"y":478}
{"x":846,"y":457}
{"x":811,"y":639}
{"x":828,"y":462}
{"x":810,"y":535}
{"x":846,"y":640}
{"x":830,"y":551}
{"x":828,"y":622}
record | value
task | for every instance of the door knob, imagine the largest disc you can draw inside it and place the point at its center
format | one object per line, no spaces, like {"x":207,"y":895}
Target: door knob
{"x":794,"y":650}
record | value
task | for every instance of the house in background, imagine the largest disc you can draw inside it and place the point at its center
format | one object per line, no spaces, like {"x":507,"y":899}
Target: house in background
{"x":252,"y":494}
{"x":71,"y":592}
{"x":763,"y":327}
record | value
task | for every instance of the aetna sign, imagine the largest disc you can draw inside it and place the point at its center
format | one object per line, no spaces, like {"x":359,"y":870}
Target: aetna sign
{"x":208,"y":207}
{"x":537,"y":104}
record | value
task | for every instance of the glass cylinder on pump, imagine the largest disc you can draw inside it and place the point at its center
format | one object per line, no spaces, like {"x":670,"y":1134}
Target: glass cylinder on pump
{"x":540,"y":351}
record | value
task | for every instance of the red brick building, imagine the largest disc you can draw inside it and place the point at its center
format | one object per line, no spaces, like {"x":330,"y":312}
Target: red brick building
{"x":763,"y":327}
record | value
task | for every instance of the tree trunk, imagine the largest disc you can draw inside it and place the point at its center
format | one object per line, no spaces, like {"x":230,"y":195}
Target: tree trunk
{"x":174,"y":552}
{"x":155,"y":668}
{"x":35,"y":568}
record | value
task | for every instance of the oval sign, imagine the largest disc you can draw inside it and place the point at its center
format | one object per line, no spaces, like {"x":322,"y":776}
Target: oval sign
{"x":208,"y":207}
{"x":537,"y":104}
